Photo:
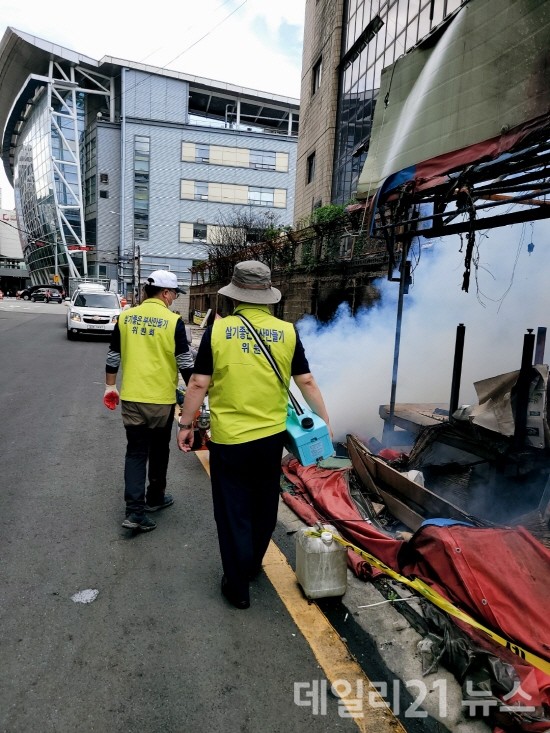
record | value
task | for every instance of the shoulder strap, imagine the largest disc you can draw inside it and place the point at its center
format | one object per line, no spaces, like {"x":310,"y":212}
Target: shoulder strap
{"x":271,"y":360}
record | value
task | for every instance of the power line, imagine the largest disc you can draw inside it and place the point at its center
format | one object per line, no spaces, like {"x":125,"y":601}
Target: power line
{"x":208,"y":33}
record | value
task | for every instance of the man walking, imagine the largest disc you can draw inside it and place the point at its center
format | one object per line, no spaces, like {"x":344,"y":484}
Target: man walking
{"x":150,"y":343}
{"x":248,"y":407}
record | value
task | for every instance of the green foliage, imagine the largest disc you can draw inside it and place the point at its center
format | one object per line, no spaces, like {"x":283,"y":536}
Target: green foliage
{"x":328,"y":214}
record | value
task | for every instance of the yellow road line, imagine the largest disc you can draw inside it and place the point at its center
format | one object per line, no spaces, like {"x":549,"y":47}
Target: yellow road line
{"x":204,"y":458}
{"x":330,"y":651}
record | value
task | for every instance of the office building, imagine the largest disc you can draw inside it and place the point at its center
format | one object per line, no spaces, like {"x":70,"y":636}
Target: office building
{"x":121,"y":168}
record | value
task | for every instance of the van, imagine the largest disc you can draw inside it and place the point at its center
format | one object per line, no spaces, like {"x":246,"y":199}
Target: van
{"x":92,"y":310}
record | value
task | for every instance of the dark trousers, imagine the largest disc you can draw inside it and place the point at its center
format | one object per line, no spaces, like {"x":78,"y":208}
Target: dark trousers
{"x":147,"y":454}
{"x":245,"y":493}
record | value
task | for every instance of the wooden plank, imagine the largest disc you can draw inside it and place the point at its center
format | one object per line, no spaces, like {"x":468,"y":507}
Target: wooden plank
{"x":360,"y":465}
{"x":401,"y":511}
{"x":360,"y":468}
{"x":414,"y":417}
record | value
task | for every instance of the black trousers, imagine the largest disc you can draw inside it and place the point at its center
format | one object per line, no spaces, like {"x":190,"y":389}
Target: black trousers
{"x":147,"y":454}
{"x":245,"y":493}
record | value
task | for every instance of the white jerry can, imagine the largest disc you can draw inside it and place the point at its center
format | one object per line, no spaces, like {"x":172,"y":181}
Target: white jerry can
{"x":321,"y":563}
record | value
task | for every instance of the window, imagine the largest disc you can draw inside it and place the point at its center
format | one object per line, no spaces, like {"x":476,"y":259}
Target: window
{"x":310,"y":168}
{"x":90,"y":187}
{"x":104,"y":194}
{"x":202,"y":153}
{"x":201,"y":190}
{"x":104,"y":178}
{"x":199,"y":231}
{"x":316,"y":74}
{"x":260,"y":196}
{"x":263,"y":159}
{"x":142,"y":150}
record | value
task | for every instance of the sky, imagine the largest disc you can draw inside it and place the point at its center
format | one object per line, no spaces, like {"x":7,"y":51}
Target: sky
{"x":252,"y":43}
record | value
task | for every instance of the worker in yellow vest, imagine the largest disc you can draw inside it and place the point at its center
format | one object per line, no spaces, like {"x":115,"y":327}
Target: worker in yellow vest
{"x":248,"y":409}
{"x":150,"y":343}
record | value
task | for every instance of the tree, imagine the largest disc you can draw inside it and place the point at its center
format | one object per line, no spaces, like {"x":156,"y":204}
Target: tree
{"x":241,"y":234}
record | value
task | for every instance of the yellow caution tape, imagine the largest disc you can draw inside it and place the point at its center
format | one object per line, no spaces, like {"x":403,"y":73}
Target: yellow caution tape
{"x":445,"y":605}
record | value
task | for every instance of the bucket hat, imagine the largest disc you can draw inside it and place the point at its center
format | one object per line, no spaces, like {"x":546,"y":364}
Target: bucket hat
{"x":164,"y":279}
{"x":251,"y":283}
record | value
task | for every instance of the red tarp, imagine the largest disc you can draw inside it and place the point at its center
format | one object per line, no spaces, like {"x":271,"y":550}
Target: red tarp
{"x":501,"y":577}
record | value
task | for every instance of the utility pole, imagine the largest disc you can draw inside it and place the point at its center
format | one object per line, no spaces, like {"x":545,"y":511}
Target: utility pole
{"x":139,"y":272}
{"x":55,"y":257}
{"x":136,"y":275}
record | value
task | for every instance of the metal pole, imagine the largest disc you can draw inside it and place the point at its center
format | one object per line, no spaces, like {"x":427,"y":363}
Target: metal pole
{"x":541,"y":343}
{"x":403,"y":283}
{"x":56,"y":268}
{"x":522,"y":389}
{"x":122,"y":179}
{"x":457,"y":368}
{"x":138,"y":273}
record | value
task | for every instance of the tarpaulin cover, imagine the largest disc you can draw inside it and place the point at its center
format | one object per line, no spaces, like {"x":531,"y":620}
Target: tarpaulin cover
{"x":500,"y":576}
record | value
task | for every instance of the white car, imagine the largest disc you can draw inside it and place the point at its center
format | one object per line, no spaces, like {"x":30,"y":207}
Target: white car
{"x":93,"y":312}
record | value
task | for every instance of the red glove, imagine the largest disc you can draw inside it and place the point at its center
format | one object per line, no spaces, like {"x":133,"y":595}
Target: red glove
{"x":111,"y":398}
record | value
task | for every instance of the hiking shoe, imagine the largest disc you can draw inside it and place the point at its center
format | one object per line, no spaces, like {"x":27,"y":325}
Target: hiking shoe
{"x":135,"y":521}
{"x":167,"y":501}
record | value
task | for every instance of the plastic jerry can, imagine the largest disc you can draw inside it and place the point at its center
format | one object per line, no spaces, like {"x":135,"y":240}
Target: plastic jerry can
{"x":321,"y":563}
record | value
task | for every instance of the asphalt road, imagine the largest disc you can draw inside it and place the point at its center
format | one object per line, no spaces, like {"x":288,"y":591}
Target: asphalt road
{"x":158,"y":649}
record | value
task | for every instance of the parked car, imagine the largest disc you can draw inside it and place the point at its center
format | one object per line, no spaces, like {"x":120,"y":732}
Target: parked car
{"x":26,"y":293}
{"x":92,"y":312}
{"x":46,"y":295}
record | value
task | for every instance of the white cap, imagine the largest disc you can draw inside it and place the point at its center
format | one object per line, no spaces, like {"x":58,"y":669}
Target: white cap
{"x":326,"y":537}
{"x":164,"y":279}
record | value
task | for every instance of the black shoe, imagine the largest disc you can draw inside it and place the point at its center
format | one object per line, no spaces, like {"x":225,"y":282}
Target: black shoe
{"x":240,"y":603}
{"x":168,"y":500}
{"x":135,"y":521}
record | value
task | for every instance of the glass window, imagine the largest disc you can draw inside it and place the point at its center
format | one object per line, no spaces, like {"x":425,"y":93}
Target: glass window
{"x":142,"y":144}
{"x":263,"y":159}
{"x":310,"y":168}
{"x":424,"y":23}
{"x":260,"y":196}
{"x":201,"y":190}
{"x":452,"y":5}
{"x":202,"y":153}
{"x":316,"y":74}
{"x":199,"y":231}
{"x":142,"y":149}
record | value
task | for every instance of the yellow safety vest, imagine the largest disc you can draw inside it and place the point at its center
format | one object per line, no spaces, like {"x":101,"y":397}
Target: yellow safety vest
{"x":246,"y":399}
{"x":147,"y":348}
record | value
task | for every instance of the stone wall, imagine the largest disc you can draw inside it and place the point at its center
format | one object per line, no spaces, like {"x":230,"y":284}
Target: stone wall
{"x":317,"y":292}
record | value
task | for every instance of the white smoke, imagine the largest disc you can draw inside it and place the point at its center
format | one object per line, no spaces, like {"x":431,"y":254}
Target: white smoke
{"x":352,"y":357}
